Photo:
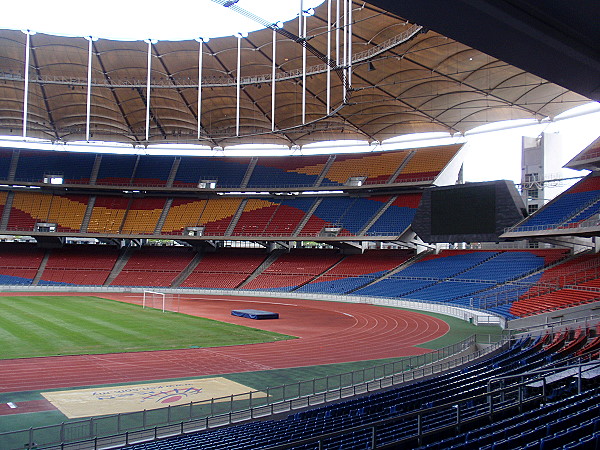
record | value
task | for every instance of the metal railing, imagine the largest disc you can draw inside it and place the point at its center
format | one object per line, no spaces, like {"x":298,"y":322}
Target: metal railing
{"x":220,"y":187}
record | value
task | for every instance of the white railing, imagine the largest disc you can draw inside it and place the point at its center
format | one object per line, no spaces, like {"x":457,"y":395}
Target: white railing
{"x":471,"y":315}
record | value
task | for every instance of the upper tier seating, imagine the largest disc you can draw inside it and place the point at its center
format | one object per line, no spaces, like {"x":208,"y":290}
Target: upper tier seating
{"x":376,"y":167}
{"x":33,"y":166}
{"x":5,"y":159}
{"x":142,"y":215}
{"x":427,"y":163}
{"x":227,"y":172}
{"x":29,"y":208}
{"x":302,"y":171}
{"x":3,"y":197}
{"x":116,"y":170}
{"x":108,"y":214}
{"x":592,"y":151}
{"x":135,"y":214}
{"x":272,"y":216}
{"x":577,"y":204}
{"x":214,"y":215}
{"x":397,"y":217}
{"x":152,"y":170}
{"x":350,"y":214}
{"x":184,"y":212}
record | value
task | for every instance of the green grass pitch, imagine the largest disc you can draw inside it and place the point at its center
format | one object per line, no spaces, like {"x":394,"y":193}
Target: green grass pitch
{"x":71,"y":325}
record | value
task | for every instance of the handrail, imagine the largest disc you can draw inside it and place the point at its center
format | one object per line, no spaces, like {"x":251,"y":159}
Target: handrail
{"x":513,"y":396}
{"x":193,"y":187}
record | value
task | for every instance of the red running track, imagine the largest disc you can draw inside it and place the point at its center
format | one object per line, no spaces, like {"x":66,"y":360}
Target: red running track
{"x":329,"y":332}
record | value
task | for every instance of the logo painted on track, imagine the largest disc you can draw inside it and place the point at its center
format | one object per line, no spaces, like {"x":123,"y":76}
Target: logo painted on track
{"x":171,"y":396}
{"x":135,"y":397}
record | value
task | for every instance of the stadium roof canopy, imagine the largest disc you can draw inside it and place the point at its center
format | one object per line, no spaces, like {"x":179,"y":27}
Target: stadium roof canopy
{"x":405,"y":78}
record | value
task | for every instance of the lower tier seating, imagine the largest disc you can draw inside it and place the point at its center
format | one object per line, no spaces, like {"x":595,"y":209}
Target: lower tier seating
{"x":565,"y":417}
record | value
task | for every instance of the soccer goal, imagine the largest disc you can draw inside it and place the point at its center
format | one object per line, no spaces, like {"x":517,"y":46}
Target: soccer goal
{"x":154,"y":299}
{"x":160,"y":300}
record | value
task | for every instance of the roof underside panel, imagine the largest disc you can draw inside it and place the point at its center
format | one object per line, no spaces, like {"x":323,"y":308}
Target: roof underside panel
{"x":404,"y":80}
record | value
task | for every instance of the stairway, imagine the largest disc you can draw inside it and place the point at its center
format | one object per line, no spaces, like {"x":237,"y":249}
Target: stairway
{"x":378,"y":214}
{"x":392,"y":272}
{"x":12,"y":171}
{"x":173,"y":172}
{"x":119,"y":264}
{"x":307,"y":216}
{"x":40,"y":272}
{"x":163,"y":216}
{"x":95,"y":169}
{"x":88,"y":214}
{"x":324,"y":171}
{"x":236,"y":217}
{"x":7,"y":208}
{"x":249,"y":171}
{"x":316,"y":277}
{"x":402,"y":166}
{"x":187,"y":271}
{"x":264,"y":265}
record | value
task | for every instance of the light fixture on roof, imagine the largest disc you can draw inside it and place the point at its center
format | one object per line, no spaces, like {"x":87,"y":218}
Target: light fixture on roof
{"x":229,"y":3}
{"x":370,"y":67}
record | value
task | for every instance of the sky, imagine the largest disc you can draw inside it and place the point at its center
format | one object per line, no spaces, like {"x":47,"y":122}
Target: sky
{"x":497,"y":155}
{"x":148,"y":19}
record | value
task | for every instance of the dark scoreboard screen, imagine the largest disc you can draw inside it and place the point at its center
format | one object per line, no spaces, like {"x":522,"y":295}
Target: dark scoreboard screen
{"x":473,"y":212}
{"x":467,"y":210}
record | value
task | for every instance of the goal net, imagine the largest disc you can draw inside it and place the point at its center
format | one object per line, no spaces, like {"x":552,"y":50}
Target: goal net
{"x":160,"y":300}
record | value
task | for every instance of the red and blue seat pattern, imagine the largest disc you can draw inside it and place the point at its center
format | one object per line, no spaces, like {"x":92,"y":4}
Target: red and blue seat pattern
{"x":578,"y":204}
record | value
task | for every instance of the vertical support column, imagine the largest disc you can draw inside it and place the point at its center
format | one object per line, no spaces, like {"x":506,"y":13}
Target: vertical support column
{"x":238,"y":85}
{"x":345,"y":51}
{"x":200,"y":41}
{"x":28,"y":34}
{"x":349,"y":61}
{"x":273,"y":80}
{"x":302,"y":14}
{"x":89,"y":88}
{"x":149,"y":69}
{"x":337,"y":32}
{"x":328,"y":56}
{"x":300,"y":17}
